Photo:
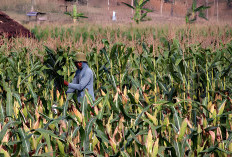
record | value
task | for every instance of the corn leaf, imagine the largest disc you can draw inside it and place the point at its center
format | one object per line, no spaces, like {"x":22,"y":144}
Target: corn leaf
{"x":26,"y":147}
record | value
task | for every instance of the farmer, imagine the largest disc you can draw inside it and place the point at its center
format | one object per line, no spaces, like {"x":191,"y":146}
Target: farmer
{"x":83,"y":78}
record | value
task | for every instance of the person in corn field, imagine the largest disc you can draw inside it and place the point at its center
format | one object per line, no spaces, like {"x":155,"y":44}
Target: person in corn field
{"x":83,"y":78}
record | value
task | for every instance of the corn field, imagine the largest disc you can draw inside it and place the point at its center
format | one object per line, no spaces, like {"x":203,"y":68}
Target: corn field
{"x":157,"y":96}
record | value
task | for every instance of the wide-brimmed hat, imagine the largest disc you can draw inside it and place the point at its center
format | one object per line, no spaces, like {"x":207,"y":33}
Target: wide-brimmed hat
{"x":80,"y":57}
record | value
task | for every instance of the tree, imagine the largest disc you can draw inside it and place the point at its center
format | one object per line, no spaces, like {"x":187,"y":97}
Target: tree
{"x":229,"y":3}
{"x":161,"y":6}
{"x":172,"y":7}
{"x":32,"y":5}
{"x":140,"y":12}
{"x":75,"y":16}
{"x":207,"y":11}
{"x":195,"y":11}
{"x":83,"y":2}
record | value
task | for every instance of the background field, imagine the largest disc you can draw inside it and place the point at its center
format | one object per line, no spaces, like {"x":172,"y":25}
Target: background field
{"x":98,"y":11}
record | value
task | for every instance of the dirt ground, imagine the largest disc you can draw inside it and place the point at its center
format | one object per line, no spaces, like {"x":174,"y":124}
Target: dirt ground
{"x":99,"y":12}
{"x":11,"y":28}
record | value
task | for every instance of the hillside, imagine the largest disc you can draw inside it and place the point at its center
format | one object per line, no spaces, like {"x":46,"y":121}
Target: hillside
{"x":99,"y":11}
{"x":10,"y":28}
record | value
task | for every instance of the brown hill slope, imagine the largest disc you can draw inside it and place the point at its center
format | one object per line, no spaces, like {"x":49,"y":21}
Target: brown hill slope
{"x":10,"y":28}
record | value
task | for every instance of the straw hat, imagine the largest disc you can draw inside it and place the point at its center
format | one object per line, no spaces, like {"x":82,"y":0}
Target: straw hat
{"x":81,"y":57}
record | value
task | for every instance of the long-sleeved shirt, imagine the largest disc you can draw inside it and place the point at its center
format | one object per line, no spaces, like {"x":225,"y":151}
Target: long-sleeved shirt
{"x":82,"y":80}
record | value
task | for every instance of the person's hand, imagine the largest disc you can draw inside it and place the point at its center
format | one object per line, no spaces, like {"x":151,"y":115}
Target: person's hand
{"x":65,"y":83}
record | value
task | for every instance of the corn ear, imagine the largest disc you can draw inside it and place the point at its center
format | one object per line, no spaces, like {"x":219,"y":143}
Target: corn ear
{"x":149,"y":142}
{"x":152,"y":118}
{"x":77,"y":114}
{"x":155,"y":147}
{"x":221,"y":108}
{"x":137,"y":96}
{"x":95,"y":142}
{"x":182,"y":130}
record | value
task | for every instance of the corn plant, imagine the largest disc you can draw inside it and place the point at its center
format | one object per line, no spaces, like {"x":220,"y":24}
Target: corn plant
{"x":168,"y":100}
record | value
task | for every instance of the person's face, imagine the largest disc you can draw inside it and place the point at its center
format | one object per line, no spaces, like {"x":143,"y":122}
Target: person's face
{"x":79,"y":65}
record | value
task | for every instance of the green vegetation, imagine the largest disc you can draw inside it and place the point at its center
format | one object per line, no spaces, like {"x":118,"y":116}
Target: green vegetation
{"x":75,"y":15}
{"x":166,"y":96}
{"x":195,"y":11}
{"x":140,"y":11}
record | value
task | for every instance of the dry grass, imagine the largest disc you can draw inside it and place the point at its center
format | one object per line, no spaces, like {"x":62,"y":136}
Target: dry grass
{"x":77,"y":37}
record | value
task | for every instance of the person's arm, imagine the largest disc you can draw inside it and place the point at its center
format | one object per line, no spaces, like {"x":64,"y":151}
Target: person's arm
{"x":83,"y":82}
{"x":71,"y":90}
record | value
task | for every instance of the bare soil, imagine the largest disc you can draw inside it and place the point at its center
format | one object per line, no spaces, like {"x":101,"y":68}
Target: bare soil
{"x":98,"y":11}
{"x":10,"y":28}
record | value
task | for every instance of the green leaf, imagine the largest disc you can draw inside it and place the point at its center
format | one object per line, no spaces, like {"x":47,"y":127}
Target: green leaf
{"x":69,"y":97}
{"x":87,"y":132}
{"x":48,"y":141}
{"x":147,"y":10}
{"x":25,"y":78}
{"x":97,"y":101}
{"x":4,"y":84}
{"x":75,"y":131}
{"x":221,"y":108}
{"x":162,"y":86}
{"x":178,"y":60}
{"x":48,"y":132}
{"x":26,"y":148}
{"x":2,"y":115}
{"x":13,"y":66}
{"x":106,"y":44}
{"x":182,"y":130}
{"x":149,"y":63}
{"x":177,"y":119}
{"x":143,"y":3}
{"x":202,"y":7}
{"x":209,"y":150}
{"x":124,"y":154}
{"x":202,"y":15}
{"x":130,"y":6}
{"x":84,"y":106}
{"x":125,"y":57}
{"x":194,"y":5}
{"x":140,"y":115}
{"x":68,"y":13}
{"x":134,"y":137}
{"x":89,"y":97}
{"x":211,"y":128}
{"x":102,"y":136}
{"x":48,"y":154}
{"x":162,"y":102}
{"x":89,"y":125}
{"x":36,"y":67}
{"x":74,"y":11}
{"x":100,"y":115}
{"x":9,"y":103}
{"x":32,"y":93}
{"x":18,"y":98}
